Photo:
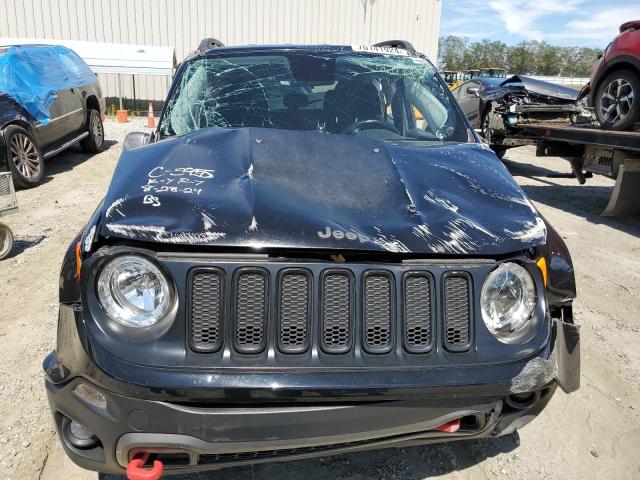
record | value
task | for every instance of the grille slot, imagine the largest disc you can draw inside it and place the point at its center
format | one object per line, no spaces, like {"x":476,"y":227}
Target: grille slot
{"x":250,"y":311}
{"x":377,"y":313}
{"x":457,"y":312}
{"x":206,"y":311}
{"x":336,"y":311}
{"x":417,"y":313}
{"x":295,"y":311}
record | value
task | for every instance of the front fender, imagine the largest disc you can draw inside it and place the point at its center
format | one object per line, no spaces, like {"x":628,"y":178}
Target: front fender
{"x":69,"y":284}
{"x":69,"y":281}
{"x":561,"y":286}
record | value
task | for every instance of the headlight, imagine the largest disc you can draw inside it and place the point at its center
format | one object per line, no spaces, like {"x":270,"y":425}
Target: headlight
{"x":134,"y":292}
{"x":508,"y":299}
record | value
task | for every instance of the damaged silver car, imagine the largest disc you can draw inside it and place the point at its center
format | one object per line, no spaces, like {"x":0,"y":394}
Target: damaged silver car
{"x":497,"y":107}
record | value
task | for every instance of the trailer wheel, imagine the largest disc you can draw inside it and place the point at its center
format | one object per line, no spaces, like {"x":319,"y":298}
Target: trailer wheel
{"x":6,"y":241}
{"x":615,"y":102}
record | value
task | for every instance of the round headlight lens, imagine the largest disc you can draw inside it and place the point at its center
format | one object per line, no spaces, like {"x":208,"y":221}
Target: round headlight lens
{"x":508,"y":299}
{"x":134,"y":292}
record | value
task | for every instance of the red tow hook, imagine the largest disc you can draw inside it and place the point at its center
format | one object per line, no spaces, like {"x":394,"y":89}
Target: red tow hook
{"x":136,"y":472}
{"x":451,"y":427}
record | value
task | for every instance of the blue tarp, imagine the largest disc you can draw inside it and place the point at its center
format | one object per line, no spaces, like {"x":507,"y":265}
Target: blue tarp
{"x":31,"y":75}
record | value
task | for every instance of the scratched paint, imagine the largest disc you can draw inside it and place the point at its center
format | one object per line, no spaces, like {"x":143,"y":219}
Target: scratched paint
{"x":445,"y":200}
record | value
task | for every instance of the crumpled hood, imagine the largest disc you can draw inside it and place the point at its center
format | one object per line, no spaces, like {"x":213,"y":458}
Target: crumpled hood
{"x":273,"y":188}
{"x":546,"y":89}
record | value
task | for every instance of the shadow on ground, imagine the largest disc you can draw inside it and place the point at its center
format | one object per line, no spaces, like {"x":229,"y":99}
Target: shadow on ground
{"x":69,"y":159}
{"x":587,"y":201}
{"x":411,"y":463}
{"x":25,"y":242}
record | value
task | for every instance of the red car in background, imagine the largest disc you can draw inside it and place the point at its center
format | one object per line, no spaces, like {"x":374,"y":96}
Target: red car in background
{"x":615,"y":82}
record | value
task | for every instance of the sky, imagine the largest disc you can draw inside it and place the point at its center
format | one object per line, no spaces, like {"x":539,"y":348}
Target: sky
{"x":583,"y":23}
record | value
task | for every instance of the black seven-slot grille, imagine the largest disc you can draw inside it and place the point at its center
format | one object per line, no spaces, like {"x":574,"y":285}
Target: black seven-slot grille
{"x":333,"y":293}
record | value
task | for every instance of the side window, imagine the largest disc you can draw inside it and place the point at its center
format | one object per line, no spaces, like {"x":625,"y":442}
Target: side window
{"x":69,"y":65}
{"x":74,"y":68}
{"x":463,"y":95}
{"x":425,"y":111}
{"x":417,"y":118}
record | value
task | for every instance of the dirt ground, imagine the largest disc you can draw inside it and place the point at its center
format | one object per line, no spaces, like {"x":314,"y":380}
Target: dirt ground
{"x":593,"y":433}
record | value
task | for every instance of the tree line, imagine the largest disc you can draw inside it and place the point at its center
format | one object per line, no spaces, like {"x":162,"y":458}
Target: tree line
{"x":527,"y":58}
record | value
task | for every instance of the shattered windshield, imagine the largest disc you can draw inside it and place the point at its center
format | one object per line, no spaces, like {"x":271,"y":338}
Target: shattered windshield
{"x":387,"y":97}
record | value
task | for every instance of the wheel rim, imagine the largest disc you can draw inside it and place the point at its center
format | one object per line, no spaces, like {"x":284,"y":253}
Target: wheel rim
{"x":486,"y":131}
{"x":25,"y":156}
{"x":97,"y":130}
{"x":5,"y":243}
{"x":617,"y":101}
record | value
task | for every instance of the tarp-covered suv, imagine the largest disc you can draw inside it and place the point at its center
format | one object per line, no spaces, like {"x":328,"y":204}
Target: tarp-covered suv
{"x":49,"y":100}
{"x":313,"y":254}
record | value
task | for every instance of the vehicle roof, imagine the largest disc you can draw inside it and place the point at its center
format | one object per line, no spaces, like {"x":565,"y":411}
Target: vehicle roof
{"x":26,"y":45}
{"x":289,"y":46}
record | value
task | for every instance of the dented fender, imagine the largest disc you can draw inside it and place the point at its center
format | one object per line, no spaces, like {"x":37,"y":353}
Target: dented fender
{"x":562,"y":365}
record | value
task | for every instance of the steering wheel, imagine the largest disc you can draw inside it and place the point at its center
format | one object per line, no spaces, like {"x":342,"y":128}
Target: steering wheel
{"x":356,"y":127}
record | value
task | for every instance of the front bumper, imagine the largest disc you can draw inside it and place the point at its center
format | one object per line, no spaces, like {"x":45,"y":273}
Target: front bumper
{"x":199,"y":420}
{"x":204,"y":437}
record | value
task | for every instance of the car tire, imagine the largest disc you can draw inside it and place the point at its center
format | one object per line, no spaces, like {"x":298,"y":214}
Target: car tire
{"x":6,"y":241}
{"x":615,"y":102}
{"x":23,"y":156}
{"x":499,"y":150}
{"x":484,"y":123}
{"x":93,"y":142}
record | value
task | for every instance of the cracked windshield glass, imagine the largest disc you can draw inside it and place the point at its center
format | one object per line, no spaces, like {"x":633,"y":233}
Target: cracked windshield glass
{"x":390,"y":98}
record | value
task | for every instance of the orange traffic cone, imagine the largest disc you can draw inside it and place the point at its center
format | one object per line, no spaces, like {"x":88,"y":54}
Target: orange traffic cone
{"x":123,"y":116}
{"x":151,"y":121}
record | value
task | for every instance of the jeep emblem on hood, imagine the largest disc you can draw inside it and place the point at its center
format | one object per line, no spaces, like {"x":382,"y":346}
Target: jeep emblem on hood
{"x":339,"y":235}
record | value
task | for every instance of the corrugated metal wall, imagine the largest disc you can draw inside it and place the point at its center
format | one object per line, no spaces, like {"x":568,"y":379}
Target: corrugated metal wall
{"x":183,"y":23}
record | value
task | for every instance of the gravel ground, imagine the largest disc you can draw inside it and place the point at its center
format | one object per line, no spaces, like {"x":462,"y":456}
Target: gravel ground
{"x":593,"y":433}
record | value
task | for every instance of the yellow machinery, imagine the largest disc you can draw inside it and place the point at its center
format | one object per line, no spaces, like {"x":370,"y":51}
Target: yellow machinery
{"x":469,"y":74}
{"x":454,"y":79}
{"x":492,"y":72}
{"x":450,"y":77}
{"x":463,"y":76}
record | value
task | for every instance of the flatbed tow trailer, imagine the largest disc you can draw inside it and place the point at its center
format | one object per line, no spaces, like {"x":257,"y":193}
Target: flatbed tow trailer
{"x":594,"y":151}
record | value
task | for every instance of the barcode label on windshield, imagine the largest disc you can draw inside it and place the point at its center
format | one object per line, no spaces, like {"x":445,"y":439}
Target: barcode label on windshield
{"x":380,"y":50}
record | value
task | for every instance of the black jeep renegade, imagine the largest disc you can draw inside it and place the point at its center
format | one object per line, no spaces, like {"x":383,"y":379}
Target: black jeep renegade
{"x":313,"y":254}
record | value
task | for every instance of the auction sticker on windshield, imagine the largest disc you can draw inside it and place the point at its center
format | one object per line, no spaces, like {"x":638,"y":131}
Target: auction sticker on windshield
{"x":381,"y":50}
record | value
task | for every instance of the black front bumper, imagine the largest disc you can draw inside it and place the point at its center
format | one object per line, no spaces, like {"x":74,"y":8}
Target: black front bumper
{"x":202,"y":437}
{"x":213,"y":419}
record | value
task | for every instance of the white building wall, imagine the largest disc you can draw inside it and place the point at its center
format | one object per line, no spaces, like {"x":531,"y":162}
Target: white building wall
{"x":183,"y":23}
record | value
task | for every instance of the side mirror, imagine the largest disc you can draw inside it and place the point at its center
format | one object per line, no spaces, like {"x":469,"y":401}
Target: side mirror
{"x":136,"y":140}
{"x":473,"y":91}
